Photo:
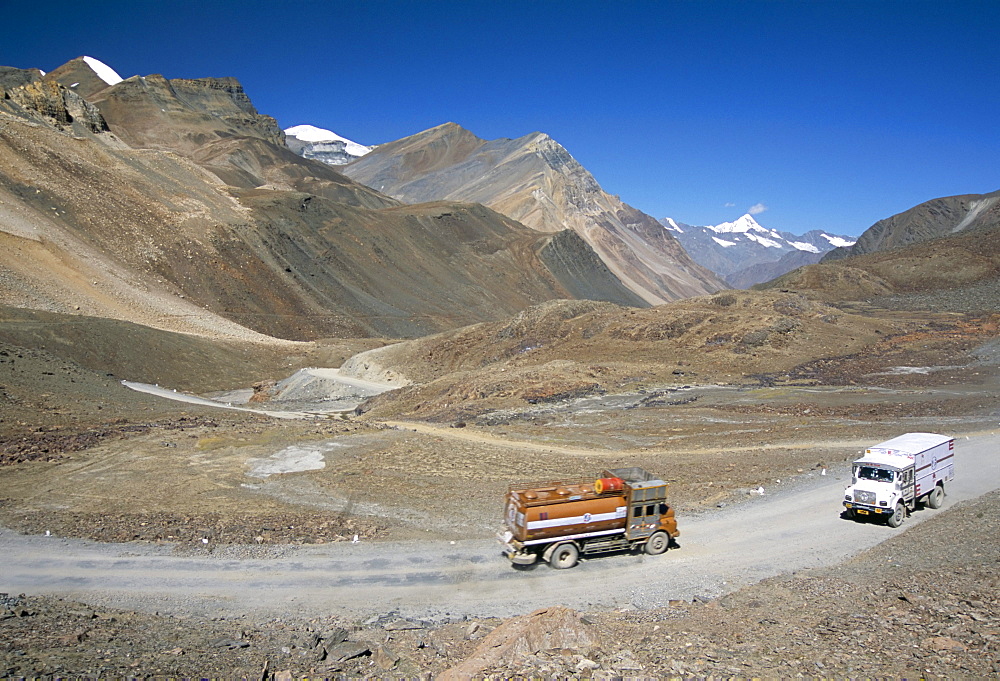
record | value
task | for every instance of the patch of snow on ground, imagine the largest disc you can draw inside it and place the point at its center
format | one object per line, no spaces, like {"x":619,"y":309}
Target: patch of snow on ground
{"x":723,"y":242}
{"x":293,"y":459}
{"x":103,"y":71}
{"x":905,"y":370}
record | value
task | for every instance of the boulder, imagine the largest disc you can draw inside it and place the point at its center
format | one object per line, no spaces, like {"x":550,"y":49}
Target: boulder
{"x":546,"y":629}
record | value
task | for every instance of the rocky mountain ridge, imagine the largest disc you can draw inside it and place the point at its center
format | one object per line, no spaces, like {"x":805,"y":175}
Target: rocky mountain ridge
{"x":942,"y":217}
{"x":534,"y":180}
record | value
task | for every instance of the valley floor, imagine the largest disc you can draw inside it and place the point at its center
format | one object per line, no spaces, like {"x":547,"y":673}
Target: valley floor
{"x":224,"y":486}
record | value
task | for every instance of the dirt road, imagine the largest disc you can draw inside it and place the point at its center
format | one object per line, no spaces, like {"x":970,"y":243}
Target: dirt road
{"x":356,"y":389}
{"x":795,"y":529}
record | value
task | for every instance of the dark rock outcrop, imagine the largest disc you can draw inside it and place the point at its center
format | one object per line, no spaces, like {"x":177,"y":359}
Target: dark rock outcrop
{"x":58,"y":106}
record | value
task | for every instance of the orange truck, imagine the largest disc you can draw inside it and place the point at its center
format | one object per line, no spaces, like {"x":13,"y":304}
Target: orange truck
{"x":556,"y":522}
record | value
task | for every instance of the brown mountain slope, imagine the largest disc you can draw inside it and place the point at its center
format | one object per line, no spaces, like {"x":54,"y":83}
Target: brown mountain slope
{"x":182,"y":114}
{"x":535,"y":181}
{"x":219,"y":232}
{"x":934,"y":219}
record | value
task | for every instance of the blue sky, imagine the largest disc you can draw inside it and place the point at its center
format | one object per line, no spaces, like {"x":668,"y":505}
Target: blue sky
{"x":823,"y":115}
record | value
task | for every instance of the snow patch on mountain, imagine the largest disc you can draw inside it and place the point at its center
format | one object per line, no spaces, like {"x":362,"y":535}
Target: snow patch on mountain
{"x":103,"y":71}
{"x":804,"y":246}
{"x":837,"y":242}
{"x":764,"y":241}
{"x":671,"y":225}
{"x":723,"y":242}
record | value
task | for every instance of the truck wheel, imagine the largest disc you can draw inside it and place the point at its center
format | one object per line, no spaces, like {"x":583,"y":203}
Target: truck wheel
{"x":657,"y":543}
{"x":564,"y":556}
{"x":936,"y":498}
{"x":896,"y":519}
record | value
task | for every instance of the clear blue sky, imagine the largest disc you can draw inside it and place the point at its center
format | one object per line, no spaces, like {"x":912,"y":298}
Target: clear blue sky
{"x":832,"y":115}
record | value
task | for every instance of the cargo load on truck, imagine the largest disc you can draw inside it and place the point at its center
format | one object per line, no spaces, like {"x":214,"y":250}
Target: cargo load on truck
{"x":556,"y":522}
{"x":894,"y":477}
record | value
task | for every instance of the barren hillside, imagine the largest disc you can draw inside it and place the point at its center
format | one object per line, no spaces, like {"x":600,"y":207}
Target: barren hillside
{"x":570,"y":349}
{"x":958,"y":273}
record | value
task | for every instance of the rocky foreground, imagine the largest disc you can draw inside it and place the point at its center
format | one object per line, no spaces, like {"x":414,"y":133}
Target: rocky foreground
{"x":923,"y":604}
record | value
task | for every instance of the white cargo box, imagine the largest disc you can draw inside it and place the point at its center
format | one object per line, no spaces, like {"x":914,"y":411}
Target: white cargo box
{"x":931,"y":455}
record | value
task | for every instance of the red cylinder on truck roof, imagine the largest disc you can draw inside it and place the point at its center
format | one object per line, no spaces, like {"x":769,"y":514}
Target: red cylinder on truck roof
{"x":602,"y":485}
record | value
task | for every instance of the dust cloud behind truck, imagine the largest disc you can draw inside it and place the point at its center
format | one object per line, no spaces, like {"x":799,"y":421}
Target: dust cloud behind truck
{"x":556,"y":522}
{"x":893,"y":477}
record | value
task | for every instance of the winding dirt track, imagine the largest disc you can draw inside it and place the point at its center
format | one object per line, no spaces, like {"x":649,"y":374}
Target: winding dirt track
{"x":479,"y":437}
{"x":798,"y":528}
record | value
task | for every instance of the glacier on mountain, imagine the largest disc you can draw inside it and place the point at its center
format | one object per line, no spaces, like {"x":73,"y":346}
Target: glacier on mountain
{"x":310,"y":133}
{"x":323,"y":145}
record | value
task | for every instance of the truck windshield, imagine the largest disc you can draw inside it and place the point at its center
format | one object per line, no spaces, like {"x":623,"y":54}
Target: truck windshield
{"x":878,"y":474}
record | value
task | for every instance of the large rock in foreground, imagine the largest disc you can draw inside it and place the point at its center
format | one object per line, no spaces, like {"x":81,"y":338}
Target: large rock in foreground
{"x":521,"y":637}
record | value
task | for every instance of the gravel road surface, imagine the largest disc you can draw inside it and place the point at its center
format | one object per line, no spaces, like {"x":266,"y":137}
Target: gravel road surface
{"x":791,"y":527}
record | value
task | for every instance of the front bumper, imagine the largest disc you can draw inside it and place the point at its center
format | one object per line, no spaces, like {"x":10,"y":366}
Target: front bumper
{"x":867,"y":509}
{"x":514,"y":551}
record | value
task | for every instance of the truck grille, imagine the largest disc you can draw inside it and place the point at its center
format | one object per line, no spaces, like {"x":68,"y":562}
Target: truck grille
{"x":864,"y":497}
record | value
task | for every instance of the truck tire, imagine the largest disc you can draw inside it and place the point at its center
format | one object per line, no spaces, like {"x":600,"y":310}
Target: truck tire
{"x":936,"y":498}
{"x":657,"y":543}
{"x":896,"y":519}
{"x":564,"y":556}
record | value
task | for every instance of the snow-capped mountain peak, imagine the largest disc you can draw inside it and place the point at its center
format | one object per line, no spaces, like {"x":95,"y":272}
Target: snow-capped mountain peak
{"x":313,"y":135}
{"x":744,"y":224}
{"x":103,"y":71}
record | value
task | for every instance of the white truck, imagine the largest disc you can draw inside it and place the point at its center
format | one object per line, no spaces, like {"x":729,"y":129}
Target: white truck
{"x":894,"y":476}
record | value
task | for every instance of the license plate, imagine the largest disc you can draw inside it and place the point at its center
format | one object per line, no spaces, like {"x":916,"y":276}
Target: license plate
{"x":862,"y":511}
